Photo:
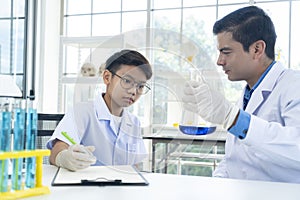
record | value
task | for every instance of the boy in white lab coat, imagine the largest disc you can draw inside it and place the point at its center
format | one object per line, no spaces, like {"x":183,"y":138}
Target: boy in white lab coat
{"x":103,"y":131}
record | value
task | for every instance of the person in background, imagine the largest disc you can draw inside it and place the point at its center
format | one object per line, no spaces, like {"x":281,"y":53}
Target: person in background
{"x":103,"y":131}
{"x":264,"y":126}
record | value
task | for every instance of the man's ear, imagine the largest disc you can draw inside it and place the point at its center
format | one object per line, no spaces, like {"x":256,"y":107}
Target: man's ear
{"x":258,"y":48}
{"x":106,"y":77}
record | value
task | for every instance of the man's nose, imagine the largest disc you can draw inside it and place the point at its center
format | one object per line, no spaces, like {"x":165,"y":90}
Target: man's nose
{"x":221,"y":60}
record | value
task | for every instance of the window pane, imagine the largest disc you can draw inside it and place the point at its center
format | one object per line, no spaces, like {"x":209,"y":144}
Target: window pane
{"x":134,"y":5}
{"x":188,"y":3}
{"x":166,"y":102}
{"x":167,"y":19}
{"x":295,"y":32}
{"x":18,"y":46}
{"x":233,"y":1}
{"x":197,"y":25}
{"x":19,"y":8}
{"x":5,"y":46}
{"x":279,"y":13}
{"x":100,"y":6}
{"x":225,"y":10}
{"x":5,"y":8}
{"x":106,"y":24}
{"x":78,"y":26}
{"x":157,"y":4}
{"x":139,"y":19}
{"x":12,"y":39}
{"x":77,"y":7}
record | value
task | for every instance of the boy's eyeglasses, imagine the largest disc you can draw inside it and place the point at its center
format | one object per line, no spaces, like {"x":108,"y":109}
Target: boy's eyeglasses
{"x":128,"y":83}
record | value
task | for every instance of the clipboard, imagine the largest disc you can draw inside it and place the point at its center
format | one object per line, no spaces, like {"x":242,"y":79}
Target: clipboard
{"x":116,"y":175}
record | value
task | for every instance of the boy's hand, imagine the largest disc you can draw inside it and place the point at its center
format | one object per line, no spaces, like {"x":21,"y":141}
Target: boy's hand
{"x":76,"y":157}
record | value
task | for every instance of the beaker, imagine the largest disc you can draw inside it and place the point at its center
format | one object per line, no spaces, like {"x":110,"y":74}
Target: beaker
{"x":192,"y":124}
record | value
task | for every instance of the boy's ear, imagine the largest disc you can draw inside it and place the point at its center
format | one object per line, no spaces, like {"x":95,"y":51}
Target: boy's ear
{"x":106,"y":76}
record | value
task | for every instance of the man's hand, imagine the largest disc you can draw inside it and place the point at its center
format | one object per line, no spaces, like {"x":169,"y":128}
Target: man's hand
{"x":209,"y":104}
{"x":76,"y":157}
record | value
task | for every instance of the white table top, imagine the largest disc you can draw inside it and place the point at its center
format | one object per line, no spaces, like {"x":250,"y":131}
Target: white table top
{"x":166,"y":186}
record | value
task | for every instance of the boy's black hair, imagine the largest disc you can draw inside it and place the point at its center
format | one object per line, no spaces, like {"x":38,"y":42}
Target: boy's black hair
{"x":248,"y":25}
{"x":128,"y":57}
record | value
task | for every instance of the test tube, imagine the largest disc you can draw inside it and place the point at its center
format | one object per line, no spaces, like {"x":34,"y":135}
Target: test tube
{"x":31,"y":133}
{"x":5,"y":141}
{"x":18,"y":142}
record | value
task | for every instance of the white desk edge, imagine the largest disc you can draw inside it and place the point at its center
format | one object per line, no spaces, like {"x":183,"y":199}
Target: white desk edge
{"x":166,"y":186}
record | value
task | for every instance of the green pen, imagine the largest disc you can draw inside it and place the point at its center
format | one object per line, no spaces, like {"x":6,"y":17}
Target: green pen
{"x":65,"y":134}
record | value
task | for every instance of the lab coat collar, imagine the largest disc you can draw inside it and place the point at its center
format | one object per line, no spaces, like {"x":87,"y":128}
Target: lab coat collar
{"x":265,"y":87}
{"x":102,"y":111}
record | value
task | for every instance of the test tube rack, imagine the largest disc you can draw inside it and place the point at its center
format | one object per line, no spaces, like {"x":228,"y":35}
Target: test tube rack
{"x":39,"y":189}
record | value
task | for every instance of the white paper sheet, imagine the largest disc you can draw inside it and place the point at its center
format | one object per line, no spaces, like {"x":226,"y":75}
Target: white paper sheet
{"x":126,"y":173}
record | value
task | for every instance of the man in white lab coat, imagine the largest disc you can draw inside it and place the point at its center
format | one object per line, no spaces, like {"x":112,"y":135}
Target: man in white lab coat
{"x":264,"y":128}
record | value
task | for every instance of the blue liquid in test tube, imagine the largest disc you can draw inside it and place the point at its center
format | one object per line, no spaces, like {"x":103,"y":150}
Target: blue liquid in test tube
{"x":31,"y":132}
{"x":5,"y":145}
{"x":19,"y":133}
